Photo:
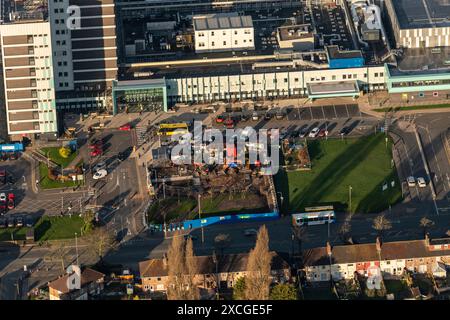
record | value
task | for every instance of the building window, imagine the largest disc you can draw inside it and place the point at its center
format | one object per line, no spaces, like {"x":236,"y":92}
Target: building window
{"x":30,"y":39}
{"x":296,"y":80}
{"x":224,"y":33}
{"x":376,"y":74}
{"x":212,"y":33}
{"x":285,"y":80}
{"x":355,"y":76}
{"x":344,"y":76}
{"x":235,"y":42}
{"x":365,"y":75}
{"x":212,"y":43}
{"x":333,"y":77}
{"x":381,"y":74}
{"x":224,"y":43}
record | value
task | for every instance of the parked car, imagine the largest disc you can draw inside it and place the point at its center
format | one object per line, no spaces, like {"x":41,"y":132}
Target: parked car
{"x":421,"y":182}
{"x":11,"y":201}
{"x":4,"y":156}
{"x":95,"y":152}
{"x":13,"y":156}
{"x":322,"y":133}
{"x":3,"y":196}
{"x":99,"y":166}
{"x":10,"y":222}
{"x":29,"y":221}
{"x":100,"y":174}
{"x":229,"y":123}
{"x":411,"y":181}
{"x":19,"y":222}
{"x":125,"y":127}
{"x":303,"y":133}
{"x":255,"y":116}
{"x":344,"y":131}
{"x":314,"y":132}
{"x":3,"y":207}
{"x":2,"y":222}
{"x":268,"y":116}
{"x":250,"y":232}
{"x":220,"y":119}
{"x":279,"y":115}
{"x":3,"y":175}
{"x":245,"y":117}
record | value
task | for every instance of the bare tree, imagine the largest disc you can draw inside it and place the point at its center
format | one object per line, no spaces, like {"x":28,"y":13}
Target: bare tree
{"x":258,"y":266}
{"x":301,"y":235}
{"x":344,"y":231}
{"x":381,"y":223}
{"x":426,"y":223}
{"x":61,"y":252}
{"x":176,"y":272}
{"x":191,"y":268}
{"x":222,"y":241}
{"x":100,"y":241}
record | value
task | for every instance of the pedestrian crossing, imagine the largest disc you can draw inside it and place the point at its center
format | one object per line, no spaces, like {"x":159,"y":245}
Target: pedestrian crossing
{"x":141,"y":135}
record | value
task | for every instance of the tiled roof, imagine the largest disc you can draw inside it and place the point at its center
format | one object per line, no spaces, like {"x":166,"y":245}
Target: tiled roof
{"x":368,"y":252}
{"x":87,"y":276}
{"x":206,"y":265}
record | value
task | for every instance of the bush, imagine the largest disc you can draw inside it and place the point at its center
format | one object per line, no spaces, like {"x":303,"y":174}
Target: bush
{"x":239,"y":289}
{"x":65,"y":152}
{"x":283,"y":292}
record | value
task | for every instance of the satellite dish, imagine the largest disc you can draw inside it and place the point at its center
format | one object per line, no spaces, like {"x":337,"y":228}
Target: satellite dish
{"x":74,"y":278}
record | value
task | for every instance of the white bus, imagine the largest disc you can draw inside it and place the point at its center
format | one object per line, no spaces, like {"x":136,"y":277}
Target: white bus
{"x":313,"y":218}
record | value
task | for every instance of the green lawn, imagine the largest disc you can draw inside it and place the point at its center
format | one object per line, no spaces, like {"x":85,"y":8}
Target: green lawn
{"x":172,"y":208}
{"x":435,"y":106}
{"x":53,"y":153}
{"x":54,"y":228}
{"x":47,"y":183}
{"x":17,"y":234}
{"x":364,"y":164}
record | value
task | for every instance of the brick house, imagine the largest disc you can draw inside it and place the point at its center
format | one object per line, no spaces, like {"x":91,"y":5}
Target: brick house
{"x":92,"y":283}
{"x":224,"y":271}
{"x":418,"y":256}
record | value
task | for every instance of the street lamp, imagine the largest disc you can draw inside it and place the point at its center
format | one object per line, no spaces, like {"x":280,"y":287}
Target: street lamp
{"x":76,"y":247}
{"x":281,"y":197}
{"x":350,"y":199}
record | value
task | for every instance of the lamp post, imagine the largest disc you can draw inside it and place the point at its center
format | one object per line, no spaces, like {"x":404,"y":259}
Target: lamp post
{"x":350,"y":199}
{"x":200,"y":217}
{"x":76,"y":247}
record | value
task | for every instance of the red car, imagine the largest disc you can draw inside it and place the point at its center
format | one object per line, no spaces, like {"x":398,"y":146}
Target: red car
{"x":220,"y":119}
{"x":126,"y":127}
{"x":229,"y":123}
{"x":96,"y":152}
{"x":321,"y":133}
{"x":96,"y":145}
{"x":11,"y":202}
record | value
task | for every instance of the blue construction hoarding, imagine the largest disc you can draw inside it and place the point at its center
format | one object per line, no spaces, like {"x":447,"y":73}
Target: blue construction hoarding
{"x":12,"y":147}
{"x":345,"y":63}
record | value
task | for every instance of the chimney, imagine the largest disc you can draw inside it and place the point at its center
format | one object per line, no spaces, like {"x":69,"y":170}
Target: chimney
{"x":427,"y":239}
{"x":328,"y":248}
{"x":378,"y":244}
{"x":165,"y":262}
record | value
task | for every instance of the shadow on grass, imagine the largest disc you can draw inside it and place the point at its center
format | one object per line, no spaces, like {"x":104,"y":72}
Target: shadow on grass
{"x":337,"y":170}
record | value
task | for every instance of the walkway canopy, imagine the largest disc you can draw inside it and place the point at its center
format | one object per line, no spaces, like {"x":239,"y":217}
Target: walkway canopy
{"x":333,"y":89}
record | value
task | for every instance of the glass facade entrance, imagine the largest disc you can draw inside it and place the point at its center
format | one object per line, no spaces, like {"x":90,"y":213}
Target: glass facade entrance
{"x":140,"y":96}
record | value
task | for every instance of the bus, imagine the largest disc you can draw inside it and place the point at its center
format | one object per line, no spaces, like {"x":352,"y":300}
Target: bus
{"x":168,"y":129}
{"x":313,"y":218}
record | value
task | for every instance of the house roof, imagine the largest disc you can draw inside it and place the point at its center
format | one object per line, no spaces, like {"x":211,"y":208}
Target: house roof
{"x":368,"y":252}
{"x":87,"y":276}
{"x":206,"y":265}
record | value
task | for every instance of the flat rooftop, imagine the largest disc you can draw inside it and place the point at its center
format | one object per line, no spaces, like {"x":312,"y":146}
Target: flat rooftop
{"x":335,"y":53}
{"x":294,"y":32}
{"x":423,"y":61}
{"x":413,"y":14}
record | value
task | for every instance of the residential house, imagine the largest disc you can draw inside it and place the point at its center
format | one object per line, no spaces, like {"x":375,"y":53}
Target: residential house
{"x":92,"y":283}
{"x":392,"y":258}
{"x":224,"y":271}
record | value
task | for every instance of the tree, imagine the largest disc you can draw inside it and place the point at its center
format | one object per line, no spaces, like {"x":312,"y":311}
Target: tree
{"x":283,"y":292}
{"x":64,"y":152}
{"x":258,"y":266}
{"x":344,"y":231}
{"x":381,"y":223}
{"x":176,"y":272}
{"x":88,"y":218}
{"x":100,"y":241}
{"x":61,"y":253}
{"x":191,"y":267}
{"x":426,"y":223}
{"x":239,"y":289}
{"x":222,"y":241}
{"x":301,"y":235}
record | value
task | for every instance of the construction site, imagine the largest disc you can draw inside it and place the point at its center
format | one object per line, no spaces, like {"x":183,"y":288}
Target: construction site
{"x":185,"y":192}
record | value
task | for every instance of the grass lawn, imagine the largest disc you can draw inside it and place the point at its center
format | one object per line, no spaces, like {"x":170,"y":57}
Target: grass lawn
{"x":54,"y":228}
{"x":435,"y":106}
{"x":47,"y":183}
{"x":18,"y":234}
{"x":363,"y":163}
{"x":172,"y":208}
{"x":53,"y":153}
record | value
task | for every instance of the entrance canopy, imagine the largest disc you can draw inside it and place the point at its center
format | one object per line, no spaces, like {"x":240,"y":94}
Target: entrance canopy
{"x":333,"y":89}
{"x":139,"y":95}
